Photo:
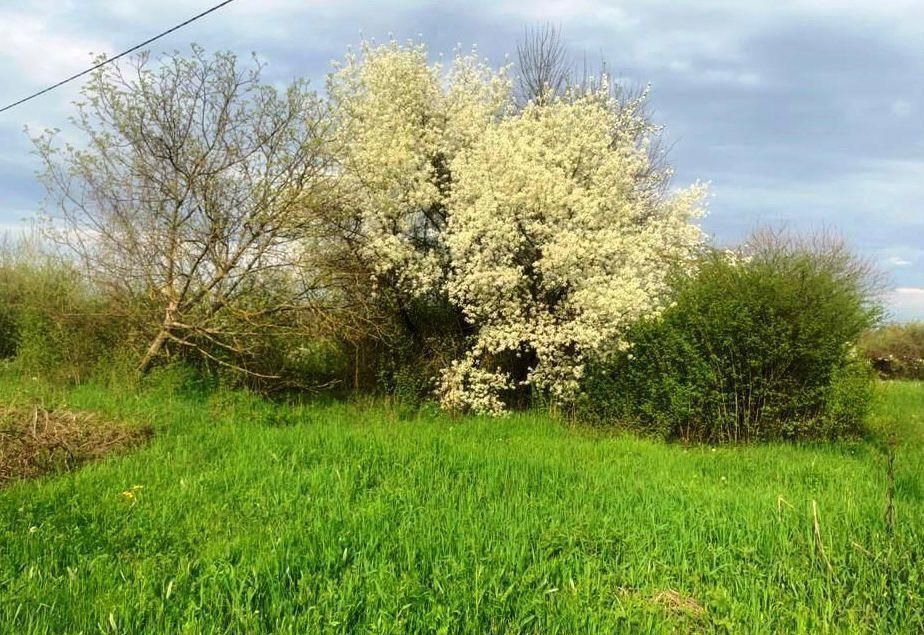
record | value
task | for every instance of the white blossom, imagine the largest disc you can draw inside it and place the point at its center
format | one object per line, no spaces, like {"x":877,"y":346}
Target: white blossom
{"x":557,"y":238}
{"x":399,"y":122}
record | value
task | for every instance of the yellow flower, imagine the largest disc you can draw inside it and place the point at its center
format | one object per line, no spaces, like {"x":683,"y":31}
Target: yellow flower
{"x":129,"y":494}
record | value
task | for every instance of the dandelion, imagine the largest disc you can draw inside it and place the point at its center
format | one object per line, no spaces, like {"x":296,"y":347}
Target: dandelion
{"x":131,"y":493}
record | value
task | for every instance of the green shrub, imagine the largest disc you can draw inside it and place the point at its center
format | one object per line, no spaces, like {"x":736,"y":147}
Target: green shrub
{"x":426,"y":334}
{"x":55,"y":324}
{"x":405,"y":371}
{"x":177,"y":378}
{"x":296,"y":359}
{"x":753,"y":346}
{"x":896,"y":351}
{"x":10,"y":303}
{"x":52,"y":323}
{"x":64,"y":330}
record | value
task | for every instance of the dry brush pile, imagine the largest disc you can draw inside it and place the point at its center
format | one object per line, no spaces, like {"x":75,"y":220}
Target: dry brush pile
{"x":35,"y":441}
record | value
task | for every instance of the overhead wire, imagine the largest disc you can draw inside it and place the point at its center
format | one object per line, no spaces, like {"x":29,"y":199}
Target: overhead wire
{"x":120,"y":55}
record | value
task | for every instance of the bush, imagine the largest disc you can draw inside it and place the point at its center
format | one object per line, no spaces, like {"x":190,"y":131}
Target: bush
{"x":63,"y":330}
{"x":426,"y":333}
{"x":896,"y":351}
{"x":299,"y":360}
{"x":753,"y":346}
{"x":52,"y":324}
{"x":56,"y":324}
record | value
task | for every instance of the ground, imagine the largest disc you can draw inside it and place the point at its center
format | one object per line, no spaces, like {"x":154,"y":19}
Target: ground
{"x":244,"y":516}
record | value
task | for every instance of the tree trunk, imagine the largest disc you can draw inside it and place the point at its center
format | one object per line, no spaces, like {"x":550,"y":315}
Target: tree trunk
{"x":152,"y":351}
{"x":158,"y":344}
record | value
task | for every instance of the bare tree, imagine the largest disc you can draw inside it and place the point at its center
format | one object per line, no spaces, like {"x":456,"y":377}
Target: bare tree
{"x":189,"y":195}
{"x":546,"y":71}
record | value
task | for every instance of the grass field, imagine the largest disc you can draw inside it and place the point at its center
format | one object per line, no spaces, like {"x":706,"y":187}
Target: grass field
{"x":242,"y":516}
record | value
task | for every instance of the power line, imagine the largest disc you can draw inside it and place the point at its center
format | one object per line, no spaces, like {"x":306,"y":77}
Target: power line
{"x":122,"y":54}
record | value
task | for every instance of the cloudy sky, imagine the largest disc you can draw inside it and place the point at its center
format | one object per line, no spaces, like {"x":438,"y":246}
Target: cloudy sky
{"x":808,"y":113}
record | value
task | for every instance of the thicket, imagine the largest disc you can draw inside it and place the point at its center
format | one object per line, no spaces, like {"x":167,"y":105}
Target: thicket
{"x":754,"y":344}
{"x":430,"y":232}
{"x":896,"y":351}
{"x":52,"y":322}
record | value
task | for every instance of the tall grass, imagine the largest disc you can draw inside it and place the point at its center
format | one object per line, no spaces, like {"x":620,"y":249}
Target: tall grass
{"x":249,"y":516}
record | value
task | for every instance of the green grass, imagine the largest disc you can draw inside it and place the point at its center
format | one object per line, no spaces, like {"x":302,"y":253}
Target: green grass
{"x":349,"y":518}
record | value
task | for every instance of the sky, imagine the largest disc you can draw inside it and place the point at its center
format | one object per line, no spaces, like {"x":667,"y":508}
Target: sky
{"x":807,"y":114}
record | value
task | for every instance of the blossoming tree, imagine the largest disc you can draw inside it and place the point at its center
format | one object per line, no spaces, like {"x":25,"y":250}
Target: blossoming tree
{"x":549,"y":227}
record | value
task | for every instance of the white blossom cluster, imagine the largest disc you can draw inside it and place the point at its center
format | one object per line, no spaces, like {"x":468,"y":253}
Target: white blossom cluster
{"x":399,"y":123}
{"x":465,"y":385}
{"x":556,"y":240}
{"x":549,"y":226}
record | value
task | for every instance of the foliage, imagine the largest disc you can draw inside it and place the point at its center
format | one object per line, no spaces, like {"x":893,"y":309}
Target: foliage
{"x":254,"y":516}
{"x":297,"y":360}
{"x":419,"y":229}
{"x":896,"y":351}
{"x":753,"y":346}
{"x":53,"y":323}
{"x":66,"y":331}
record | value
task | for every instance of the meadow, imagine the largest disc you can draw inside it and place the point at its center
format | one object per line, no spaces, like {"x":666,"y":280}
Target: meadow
{"x":242,"y":516}
{"x":515,"y":386}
